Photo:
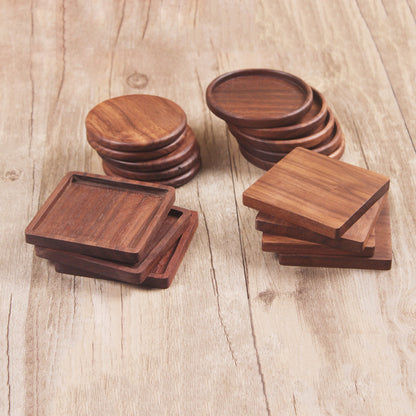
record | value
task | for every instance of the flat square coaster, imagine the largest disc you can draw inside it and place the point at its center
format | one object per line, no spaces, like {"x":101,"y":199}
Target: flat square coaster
{"x":359,"y":238}
{"x":99,"y":216}
{"x":164,"y":272}
{"x":316,"y":192}
{"x":173,"y":227}
{"x":381,"y":260}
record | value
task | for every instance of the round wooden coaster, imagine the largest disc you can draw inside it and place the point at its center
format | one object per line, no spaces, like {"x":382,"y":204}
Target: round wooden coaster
{"x":177,"y":170}
{"x":135,"y":122}
{"x":311,"y":122}
{"x":266,"y":165}
{"x":284,"y":146}
{"x":176,"y":181}
{"x":259,"y":98}
{"x":135,"y":156}
{"x":185,"y":150}
{"x":326,"y":147}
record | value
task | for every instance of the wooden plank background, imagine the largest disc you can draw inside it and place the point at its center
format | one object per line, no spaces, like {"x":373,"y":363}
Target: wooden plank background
{"x":236,"y":334}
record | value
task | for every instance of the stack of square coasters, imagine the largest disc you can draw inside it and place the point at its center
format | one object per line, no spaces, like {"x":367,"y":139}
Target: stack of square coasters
{"x":114,"y":229}
{"x":319,"y":212}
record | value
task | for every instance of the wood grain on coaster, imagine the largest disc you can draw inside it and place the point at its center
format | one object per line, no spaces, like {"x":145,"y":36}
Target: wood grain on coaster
{"x":165,"y":270}
{"x":316,"y":192}
{"x":380,"y":260}
{"x":259,"y":98}
{"x":135,"y":122}
{"x":99,"y":216}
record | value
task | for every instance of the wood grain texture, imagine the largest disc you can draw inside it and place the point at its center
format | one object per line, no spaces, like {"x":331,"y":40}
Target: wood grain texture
{"x":135,"y":122}
{"x":236,"y":333}
{"x":312,"y":121}
{"x":316,"y":192}
{"x":110,"y":218}
{"x":259,"y":98}
{"x":380,"y":260}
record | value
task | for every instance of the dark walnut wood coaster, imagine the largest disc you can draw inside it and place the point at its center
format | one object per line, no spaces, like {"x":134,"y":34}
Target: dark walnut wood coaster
{"x":168,"y":234}
{"x":135,"y":123}
{"x":311,"y":122}
{"x":316,"y":192}
{"x":99,"y":216}
{"x":187,"y":147}
{"x":176,"y":181}
{"x":285,"y":146}
{"x":259,"y":98}
{"x":165,"y":270}
{"x":359,"y":238}
{"x":157,"y":175}
{"x":380,"y":260}
{"x":327,"y":147}
{"x":135,"y":156}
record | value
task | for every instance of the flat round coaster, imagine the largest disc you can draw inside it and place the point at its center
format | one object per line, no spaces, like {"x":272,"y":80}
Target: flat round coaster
{"x":266,"y":164}
{"x":259,"y":98}
{"x":311,"y":122}
{"x":326,"y":147}
{"x":135,"y":156}
{"x":135,"y":122}
{"x":176,"y":181}
{"x":284,"y":146}
{"x":186,"y":148}
{"x":156,"y":175}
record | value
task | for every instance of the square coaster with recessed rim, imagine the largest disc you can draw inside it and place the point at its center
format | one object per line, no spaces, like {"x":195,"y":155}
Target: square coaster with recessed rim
{"x":316,"y":192}
{"x":165,"y":270}
{"x":99,"y":216}
{"x":380,"y":260}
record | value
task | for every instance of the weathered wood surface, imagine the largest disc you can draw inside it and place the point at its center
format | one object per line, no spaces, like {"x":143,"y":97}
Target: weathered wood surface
{"x":235,"y":333}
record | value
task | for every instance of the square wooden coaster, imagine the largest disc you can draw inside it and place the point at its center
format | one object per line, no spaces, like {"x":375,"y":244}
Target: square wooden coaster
{"x":381,"y":260}
{"x":359,"y":238}
{"x":100,"y":216}
{"x":173,"y":227}
{"x":316,"y":192}
{"x":164,"y":272}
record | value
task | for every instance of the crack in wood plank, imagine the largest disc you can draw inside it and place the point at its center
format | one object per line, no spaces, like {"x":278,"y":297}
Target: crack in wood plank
{"x":146,"y":23}
{"x":120,"y":22}
{"x":61,"y":83}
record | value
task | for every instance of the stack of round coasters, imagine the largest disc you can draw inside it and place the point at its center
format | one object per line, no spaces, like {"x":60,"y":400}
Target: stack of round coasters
{"x":144,"y":137}
{"x":272,"y":112}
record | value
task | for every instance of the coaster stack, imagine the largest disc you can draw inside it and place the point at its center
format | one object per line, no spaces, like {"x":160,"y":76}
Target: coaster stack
{"x":272,"y":112}
{"x":316,"y":211}
{"x":145,"y":138}
{"x":114,"y":229}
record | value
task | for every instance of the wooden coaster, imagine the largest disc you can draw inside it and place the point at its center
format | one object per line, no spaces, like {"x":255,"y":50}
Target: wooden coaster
{"x":135,"y":156}
{"x":259,"y":98}
{"x":316,"y":192}
{"x":311,"y":122}
{"x":172,"y":228}
{"x":104,"y":217}
{"x":164,"y":272}
{"x":187,"y":147}
{"x":284,"y":146}
{"x":381,"y":260}
{"x":135,"y":122}
{"x":157,"y":175}
{"x":175,"y":181}
{"x":327,"y":147}
{"x":359,"y":238}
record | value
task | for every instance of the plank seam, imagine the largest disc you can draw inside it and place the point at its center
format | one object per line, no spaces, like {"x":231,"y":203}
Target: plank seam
{"x":123,"y":7}
{"x":387,"y":74}
{"x":8,"y":355}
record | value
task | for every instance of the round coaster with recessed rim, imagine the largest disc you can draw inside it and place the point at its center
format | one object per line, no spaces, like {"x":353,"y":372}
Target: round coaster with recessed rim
{"x":185,"y":150}
{"x":176,"y":181}
{"x":177,"y":170}
{"x":133,"y":123}
{"x":284,"y":146}
{"x":266,"y":165}
{"x":135,"y":156}
{"x":259,"y":98}
{"x":326,"y":147}
{"x":311,"y":122}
